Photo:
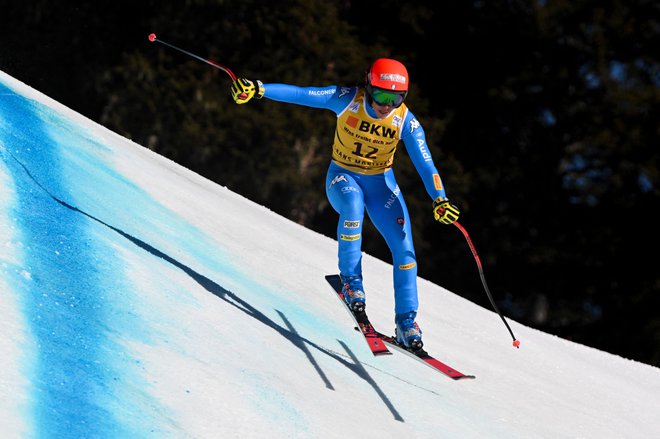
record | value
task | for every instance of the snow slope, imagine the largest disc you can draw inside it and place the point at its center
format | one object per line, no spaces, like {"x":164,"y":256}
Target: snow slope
{"x":142,"y":300}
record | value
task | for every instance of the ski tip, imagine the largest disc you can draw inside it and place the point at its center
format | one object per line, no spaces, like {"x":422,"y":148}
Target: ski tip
{"x":381,"y":353}
{"x":465,"y":377}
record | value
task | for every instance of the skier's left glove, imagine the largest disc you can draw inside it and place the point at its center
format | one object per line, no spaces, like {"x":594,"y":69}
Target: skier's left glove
{"x":242,"y":90}
{"x":444,"y":211}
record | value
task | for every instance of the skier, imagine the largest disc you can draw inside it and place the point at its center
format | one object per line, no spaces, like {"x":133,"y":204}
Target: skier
{"x":371,"y":119}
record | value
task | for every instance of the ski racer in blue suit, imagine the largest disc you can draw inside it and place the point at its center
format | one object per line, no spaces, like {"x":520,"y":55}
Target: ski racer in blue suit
{"x":371,"y":120}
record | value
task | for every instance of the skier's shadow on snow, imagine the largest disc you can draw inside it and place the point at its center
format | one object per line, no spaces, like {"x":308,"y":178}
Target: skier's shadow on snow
{"x":289,"y":333}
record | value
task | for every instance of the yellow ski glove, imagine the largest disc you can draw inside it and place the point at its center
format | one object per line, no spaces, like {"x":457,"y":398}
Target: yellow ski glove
{"x":444,"y":211}
{"x":242,"y":90}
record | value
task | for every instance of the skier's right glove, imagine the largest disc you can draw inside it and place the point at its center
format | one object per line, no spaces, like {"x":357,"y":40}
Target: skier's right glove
{"x":242,"y":90}
{"x":444,"y":211}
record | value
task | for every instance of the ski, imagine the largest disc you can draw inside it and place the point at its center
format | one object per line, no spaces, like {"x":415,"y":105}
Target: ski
{"x":378,"y":341}
{"x":377,"y":346}
{"x":424,"y":357}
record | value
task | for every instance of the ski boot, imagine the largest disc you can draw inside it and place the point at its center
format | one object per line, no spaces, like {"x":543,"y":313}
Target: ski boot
{"x":407,"y":332}
{"x":354,"y":293}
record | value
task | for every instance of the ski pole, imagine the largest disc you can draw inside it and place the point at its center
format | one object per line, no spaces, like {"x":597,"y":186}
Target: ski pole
{"x":152,"y":38}
{"x":516,"y":343}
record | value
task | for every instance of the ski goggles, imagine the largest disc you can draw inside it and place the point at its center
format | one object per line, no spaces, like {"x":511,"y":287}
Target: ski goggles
{"x":386,"y":97}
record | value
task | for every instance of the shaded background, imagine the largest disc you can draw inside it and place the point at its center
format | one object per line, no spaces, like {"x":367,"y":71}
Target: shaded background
{"x":542,"y":117}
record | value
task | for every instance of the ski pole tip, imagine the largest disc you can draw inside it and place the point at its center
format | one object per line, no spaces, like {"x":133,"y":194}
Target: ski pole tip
{"x":152,"y":37}
{"x":516,"y":343}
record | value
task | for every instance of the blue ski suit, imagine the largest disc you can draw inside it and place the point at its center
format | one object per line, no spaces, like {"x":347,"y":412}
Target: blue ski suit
{"x":360,"y":177}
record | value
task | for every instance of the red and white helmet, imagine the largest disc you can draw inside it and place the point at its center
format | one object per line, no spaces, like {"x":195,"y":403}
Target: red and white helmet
{"x":388,"y":74}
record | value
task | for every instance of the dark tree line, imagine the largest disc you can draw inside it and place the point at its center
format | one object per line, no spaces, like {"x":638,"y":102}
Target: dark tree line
{"x":543,"y":119}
